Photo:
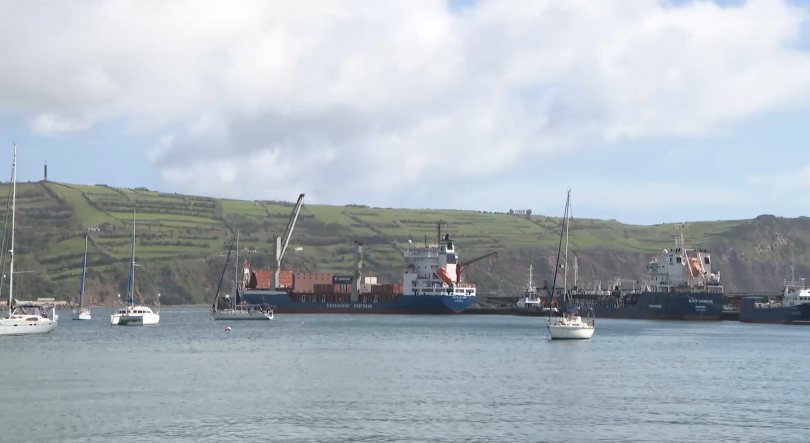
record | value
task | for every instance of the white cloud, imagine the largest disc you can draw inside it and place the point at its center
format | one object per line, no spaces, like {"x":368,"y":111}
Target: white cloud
{"x":384,"y":96}
{"x":49,"y":124}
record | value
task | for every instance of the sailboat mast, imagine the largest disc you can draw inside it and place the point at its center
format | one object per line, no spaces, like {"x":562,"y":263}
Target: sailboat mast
{"x":84,"y":267}
{"x":236,"y":271}
{"x":13,"y":218}
{"x":559,"y":249}
{"x":565,"y":262}
{"x":131,"y":285}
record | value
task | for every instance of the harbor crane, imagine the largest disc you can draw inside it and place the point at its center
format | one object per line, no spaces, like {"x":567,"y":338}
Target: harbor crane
{"x":280,"y":243}
{"x":463,"y":265}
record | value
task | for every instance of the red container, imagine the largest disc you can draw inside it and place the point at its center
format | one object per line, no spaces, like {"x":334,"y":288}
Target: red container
{"x":285,"y":279}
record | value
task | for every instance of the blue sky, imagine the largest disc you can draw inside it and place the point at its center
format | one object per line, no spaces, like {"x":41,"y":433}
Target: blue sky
{"x":651,"y":111}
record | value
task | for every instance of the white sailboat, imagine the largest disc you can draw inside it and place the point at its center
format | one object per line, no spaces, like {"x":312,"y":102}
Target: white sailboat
{"x":81,"y":312}
{"x":23,"y":320}
{"x":570,"y":326}
{"x":236,"y":311}
{"x":131,"y":314}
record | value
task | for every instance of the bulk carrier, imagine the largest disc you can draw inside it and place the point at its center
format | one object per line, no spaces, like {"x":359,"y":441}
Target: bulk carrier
{"x":681,"y":286}
{"x":431,"y":285}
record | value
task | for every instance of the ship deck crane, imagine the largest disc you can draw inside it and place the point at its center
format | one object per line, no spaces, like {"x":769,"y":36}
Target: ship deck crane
{"x":460,"y":266}
{"x":281,"y":243}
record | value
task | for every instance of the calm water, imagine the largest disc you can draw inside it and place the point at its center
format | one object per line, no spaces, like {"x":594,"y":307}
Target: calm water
{"x":338,"y":378}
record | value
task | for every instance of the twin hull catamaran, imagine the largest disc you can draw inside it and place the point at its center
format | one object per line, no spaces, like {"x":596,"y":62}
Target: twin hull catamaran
{"x":24,"y":319}
{"x":131,"y":314}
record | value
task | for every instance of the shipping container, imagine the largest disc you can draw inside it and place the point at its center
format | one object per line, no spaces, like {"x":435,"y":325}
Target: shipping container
{"x":265,"y":276}
{"x":323,"y":288}
{"x":304,"y":282}
{"x":285,"y":279}
{"x":365,"y":288}
{"x":369,"y":280}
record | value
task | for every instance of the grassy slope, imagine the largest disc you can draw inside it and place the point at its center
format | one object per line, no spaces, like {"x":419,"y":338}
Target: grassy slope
{"x":181,"y":239}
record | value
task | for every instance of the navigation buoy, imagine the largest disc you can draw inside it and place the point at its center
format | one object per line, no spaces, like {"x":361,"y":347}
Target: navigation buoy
{"x":227,"y":328}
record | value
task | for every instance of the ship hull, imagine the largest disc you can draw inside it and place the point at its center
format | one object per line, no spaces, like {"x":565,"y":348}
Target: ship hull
{"x":793,"y":315}
{"x":284,"y":303}
{"x":660,"y":306}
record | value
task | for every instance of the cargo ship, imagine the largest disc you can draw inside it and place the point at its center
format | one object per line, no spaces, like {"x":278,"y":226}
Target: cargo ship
{"x":431,"y":285}
{"x":792,"y":309}
{"x":681,"y":286}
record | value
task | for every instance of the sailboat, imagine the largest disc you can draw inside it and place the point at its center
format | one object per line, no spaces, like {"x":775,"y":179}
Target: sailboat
{"x":81,"y":312}
{"x":570,"y":326}
{"x":24,"y":319}
{"x":132,"y":314}
{"x":224,"y":308}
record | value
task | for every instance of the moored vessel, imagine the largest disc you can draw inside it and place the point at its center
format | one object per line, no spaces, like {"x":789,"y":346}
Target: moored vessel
{"x":81,"y":312}
{"x":570,"y":325}
{"x":682,"y":285}
{"x":225,"y":308}
{"x":132,"y":314}
{"x":431,"y":285}
{"x":793,"y":308}
{"x":23,"y":319}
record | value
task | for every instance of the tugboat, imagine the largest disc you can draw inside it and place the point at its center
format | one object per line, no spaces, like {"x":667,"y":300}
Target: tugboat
{"x":792,"y":309}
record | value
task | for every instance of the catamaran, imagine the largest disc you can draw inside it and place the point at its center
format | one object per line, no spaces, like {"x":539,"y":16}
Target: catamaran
{"x":570,"y":326}
{"x":224,"y":308}
{"x":24,"y":319}
{"x":132,"y":314}
{"x":81,"y":312}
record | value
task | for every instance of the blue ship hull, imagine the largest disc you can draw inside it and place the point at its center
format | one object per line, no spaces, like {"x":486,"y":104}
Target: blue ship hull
{"x":793,"y":315}
{"x":283,"y":302}
{"x":659,"y":306}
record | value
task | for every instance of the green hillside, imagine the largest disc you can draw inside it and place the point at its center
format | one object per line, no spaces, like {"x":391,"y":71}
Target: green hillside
{"x":182,"y":240}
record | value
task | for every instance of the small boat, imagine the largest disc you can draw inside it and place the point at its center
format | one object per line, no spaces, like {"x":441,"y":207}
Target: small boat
{"x":135,"y":316}
{"x":81,"y":312}
{"x":224,"y":308}
{"x":570,"y":326}
{"x":24,"y":319}
{"x":132,"y":314}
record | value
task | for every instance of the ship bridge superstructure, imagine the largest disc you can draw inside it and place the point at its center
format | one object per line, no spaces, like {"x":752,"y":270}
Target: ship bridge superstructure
{"x":431,"y":270}
{"x":683,"y":268}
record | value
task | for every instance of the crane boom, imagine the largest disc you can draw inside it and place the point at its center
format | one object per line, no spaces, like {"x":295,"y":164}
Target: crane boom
{"x":291,"y":225}
{"x":281,"y":243}
{"x":461,"y":265}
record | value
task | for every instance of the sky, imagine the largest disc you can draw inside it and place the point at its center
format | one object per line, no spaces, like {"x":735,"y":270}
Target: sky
{"x":651,"y":111}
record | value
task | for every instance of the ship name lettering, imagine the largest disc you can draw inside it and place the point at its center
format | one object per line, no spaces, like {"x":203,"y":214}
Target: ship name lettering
{"x":694,"y":300}
{"x":655,"y":306}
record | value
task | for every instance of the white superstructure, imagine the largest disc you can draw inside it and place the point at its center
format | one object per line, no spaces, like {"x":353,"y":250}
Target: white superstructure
{"x":431,"y":270}
{"x":134,"y":316}
{"x":683,"y":269}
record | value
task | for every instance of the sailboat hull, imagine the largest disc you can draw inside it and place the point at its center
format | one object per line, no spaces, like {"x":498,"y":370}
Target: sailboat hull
{"x":241,"y":315}
{"x":23,"y":326}
{"x":135,"y":316}
{"x":570,"y":332}
{"x":82,"y":314}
